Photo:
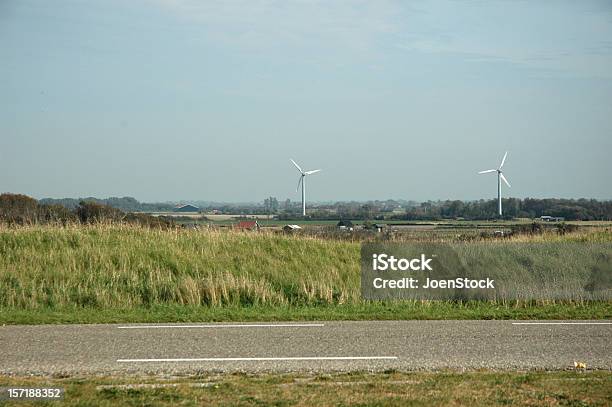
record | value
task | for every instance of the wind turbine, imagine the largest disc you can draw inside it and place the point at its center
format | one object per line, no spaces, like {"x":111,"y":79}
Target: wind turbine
{"x":303,"y":182}
{"x":500,"y":177}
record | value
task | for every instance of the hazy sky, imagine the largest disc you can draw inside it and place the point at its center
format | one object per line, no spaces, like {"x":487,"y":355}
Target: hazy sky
{"x":180,"y":99}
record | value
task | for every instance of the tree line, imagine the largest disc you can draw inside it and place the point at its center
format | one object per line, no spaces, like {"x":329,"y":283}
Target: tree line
{"x":15,"y":208}
{"x":570,"y":209}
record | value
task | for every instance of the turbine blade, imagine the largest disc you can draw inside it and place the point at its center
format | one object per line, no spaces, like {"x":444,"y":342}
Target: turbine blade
{"x":311,"y":172}
{"x":503,"y":160}
{"x":299,"y":182}
{"x":486,"y":171}
{"x":297,"y":166}
{"x":505,"y":180}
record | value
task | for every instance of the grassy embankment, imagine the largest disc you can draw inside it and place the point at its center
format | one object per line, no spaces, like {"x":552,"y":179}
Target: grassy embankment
{"x":132,"y":274}
{"x":388,"y":389}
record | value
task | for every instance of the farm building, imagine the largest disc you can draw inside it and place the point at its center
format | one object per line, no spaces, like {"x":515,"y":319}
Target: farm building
{"x":345,"y":225}
{"x":552,"y":218}
{"x":186,"y":208}
{"x":379,"y":227}
{"x":247,"y":225}
{"x":291,"y":228}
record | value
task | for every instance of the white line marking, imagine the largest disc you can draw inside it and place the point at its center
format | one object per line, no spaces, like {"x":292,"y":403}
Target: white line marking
{"x":260,"y":359}
{"x":562,"y":323}
{"x":222,"y":326}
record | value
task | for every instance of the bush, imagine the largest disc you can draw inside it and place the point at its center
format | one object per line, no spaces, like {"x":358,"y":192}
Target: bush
{"x":18,"y":209}
{"x":563,"y":228}
{"x":92,"y":212}
{"x":530,"y":229}
{"x":56,"y":214}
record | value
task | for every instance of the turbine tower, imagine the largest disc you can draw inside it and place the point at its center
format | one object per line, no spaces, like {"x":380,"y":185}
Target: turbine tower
{"x":500,"y":177}
{"x":302,"y":180}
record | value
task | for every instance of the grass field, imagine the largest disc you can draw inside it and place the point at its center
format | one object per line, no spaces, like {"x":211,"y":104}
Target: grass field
{"x":364,"y":389}
{"x":129,"y":274}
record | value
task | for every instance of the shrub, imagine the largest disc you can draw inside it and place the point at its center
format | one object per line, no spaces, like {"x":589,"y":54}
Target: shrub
{"x":18,"y":209}
{"x":529,"y":229}
{"x":56,"y":214}
{"x":92,"y":212}
{"x":563,"y":228}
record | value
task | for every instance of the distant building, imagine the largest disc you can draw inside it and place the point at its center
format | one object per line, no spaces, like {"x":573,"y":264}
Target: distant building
{"x":345,"y":225}
{"x":379,"y":227}
{"x":552,"y":218}
{"x":247,"y":225}
{"x":186,"y":208}
{"x":291,"y":228}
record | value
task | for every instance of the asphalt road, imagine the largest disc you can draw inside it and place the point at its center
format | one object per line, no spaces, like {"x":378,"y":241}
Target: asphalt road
{"x":319,"y":347}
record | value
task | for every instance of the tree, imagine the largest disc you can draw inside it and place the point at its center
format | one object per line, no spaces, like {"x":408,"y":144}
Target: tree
{"x":271,"y":205}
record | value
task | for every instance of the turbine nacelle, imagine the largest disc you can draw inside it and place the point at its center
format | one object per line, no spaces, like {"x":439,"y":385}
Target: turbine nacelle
{"x":498,"y":170}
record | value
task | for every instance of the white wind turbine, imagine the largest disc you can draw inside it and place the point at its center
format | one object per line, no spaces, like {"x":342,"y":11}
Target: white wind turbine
{"x":500,"y":177}
{"x":303,"y":182}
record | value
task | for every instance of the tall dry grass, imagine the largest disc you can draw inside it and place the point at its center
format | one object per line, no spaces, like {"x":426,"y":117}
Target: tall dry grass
{"x":121,"y":266}
{"x":127,"y":266}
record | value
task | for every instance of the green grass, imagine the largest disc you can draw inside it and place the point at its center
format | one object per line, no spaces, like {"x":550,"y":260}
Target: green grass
{"x":366,"y":311}
{"x":130,"y":274}
{"x":362,"y":389}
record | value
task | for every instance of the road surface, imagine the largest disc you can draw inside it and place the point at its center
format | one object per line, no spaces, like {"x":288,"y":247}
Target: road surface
{"x":303,"y":347}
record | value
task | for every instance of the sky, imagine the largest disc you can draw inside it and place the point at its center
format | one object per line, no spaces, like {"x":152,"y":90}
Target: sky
{"x":169,"y":100}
